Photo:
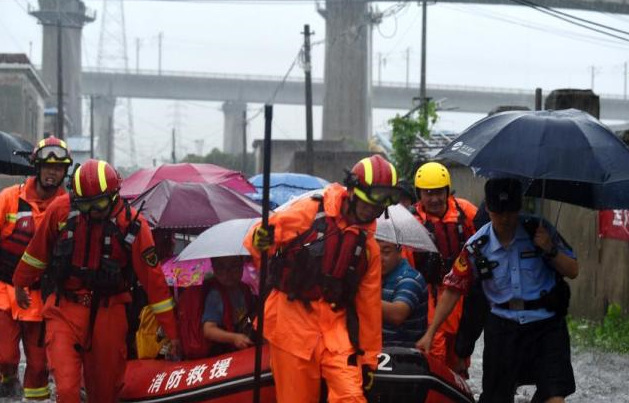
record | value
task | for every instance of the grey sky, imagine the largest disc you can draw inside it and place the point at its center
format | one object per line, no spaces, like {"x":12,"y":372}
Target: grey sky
{"x":492,"y":46}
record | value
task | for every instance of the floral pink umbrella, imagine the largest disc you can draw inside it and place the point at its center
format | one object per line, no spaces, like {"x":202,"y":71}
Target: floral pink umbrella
{"x":144,"y":179}
{"x":188,"y":273}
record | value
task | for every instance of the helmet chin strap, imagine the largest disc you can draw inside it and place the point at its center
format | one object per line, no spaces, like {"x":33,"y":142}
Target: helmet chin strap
{"x":352,"y":210}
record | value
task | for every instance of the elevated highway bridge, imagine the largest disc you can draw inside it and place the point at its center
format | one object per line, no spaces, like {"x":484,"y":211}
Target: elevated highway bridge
{"x":260,"y":89}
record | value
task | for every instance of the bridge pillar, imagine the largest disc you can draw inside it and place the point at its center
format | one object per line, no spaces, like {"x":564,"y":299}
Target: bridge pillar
{"x":72,"y":15}
{"x":104,"y":107}
{"x":234,"y":115}
{"x":347,"y":102}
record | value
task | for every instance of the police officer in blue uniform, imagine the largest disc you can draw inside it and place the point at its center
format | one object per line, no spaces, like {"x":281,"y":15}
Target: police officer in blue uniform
{"x":521,"y":267}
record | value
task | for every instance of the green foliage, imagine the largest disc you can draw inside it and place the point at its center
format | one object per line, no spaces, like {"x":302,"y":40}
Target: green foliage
{"x":225,"y":160}
{"x":405,"y":131}
{"x":612,"y":334}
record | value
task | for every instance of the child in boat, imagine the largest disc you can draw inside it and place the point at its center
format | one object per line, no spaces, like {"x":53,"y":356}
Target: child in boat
{"x":228,"y":305}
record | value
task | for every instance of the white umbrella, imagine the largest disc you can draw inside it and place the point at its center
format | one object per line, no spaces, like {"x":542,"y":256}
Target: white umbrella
{"x":223,"y":239}
{"x":402,"y":228}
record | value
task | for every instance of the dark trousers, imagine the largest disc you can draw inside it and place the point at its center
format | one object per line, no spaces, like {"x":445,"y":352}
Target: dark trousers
{"x":538,"y":352}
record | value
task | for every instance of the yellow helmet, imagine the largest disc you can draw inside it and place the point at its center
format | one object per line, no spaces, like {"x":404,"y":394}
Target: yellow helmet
{"x":432,"y":175}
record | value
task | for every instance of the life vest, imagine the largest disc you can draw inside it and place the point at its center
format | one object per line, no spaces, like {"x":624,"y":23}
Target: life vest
{"x":109,"y":278}
{"x":450,"y":238}
{"x":190,"y":307}
{"x":12,"y":247}
{"x":323,"y":262}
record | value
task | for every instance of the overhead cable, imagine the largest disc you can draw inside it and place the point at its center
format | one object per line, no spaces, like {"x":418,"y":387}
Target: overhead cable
{"x":552,"y":13}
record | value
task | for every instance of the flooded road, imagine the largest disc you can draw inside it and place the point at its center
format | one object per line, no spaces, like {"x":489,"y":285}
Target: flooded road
{"x":600,"y":377}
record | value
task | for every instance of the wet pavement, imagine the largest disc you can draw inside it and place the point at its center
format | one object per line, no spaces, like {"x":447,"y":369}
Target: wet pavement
{"x":600,"y":377}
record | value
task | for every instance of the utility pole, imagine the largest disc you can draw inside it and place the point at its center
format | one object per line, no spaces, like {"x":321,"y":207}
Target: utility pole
{"x":244,"y":142}
{"x":60,"y":112}
{"x":159,"y":55}
{"x":422,"y":83}
{"x":309,"y":128}
{"x":91,"y":126}
{"x":379,"y":68}
{"x":625,"y":80}
{"x":538,"y":99}
{"x":173,"y":155}
{"x":592,"y":74}
{"x":137,"y":55}
{"x":408,"y":58}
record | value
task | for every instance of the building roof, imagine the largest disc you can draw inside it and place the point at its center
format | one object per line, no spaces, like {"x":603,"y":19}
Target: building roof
{"x":19,"y":62}
{"x":14,"y":58}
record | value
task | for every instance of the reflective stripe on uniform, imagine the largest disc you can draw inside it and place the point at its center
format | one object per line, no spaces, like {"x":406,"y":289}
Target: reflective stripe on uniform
{"x":33,"y":393}
{"x":11,"y":217}
{"x":102,"y":178}
{"x":163,"y":306}
{"x":23,"y":214}
{"x":34,"y":262}
{"x":77,"y":182}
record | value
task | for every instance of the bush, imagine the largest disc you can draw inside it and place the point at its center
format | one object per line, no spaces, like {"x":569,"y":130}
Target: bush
{"x":612,"y":334}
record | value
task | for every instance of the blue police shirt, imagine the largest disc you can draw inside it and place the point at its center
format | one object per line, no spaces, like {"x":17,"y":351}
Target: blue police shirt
{"x":521,"y":272}
{"x":405,"y":284}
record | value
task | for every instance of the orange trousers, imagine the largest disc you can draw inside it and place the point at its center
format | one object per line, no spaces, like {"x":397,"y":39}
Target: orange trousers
{"x":36,"y":375}
{"x":299,"y":380}
{"x":70,"y":356}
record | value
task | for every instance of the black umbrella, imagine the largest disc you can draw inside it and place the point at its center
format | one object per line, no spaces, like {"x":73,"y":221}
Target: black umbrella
{"x":565,"y":155}
{"x":14,"y":153}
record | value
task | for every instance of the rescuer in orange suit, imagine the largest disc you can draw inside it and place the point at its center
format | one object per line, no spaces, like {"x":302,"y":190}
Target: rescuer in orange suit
{"x":450,"y":221}
{"x":22,"y":209}
{"x":88,"y":250}
{"x":323,"y":317}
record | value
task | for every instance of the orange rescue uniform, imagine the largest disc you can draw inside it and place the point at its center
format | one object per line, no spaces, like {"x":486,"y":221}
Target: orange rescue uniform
{"x":17,"y":323}
{"x":443,"y":342}
{"x":68,"y":345}
{"x":309,"y":343}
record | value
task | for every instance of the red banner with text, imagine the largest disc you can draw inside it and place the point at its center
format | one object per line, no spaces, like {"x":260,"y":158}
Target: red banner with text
{"x":614,"y":224}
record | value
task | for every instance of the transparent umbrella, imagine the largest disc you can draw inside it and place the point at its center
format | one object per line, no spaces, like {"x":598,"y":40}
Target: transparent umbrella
{"x":403,"y":229}
{"x":224,"y":239}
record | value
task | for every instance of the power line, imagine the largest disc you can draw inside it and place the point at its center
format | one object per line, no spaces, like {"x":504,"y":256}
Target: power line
{"x":279,"y":87}
{"x":553,"y":13}
{"x":574,"y":17}
{"x":526,"y":24}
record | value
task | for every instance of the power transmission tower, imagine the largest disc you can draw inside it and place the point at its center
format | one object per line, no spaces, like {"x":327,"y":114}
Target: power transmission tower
{"x":113,"y":54}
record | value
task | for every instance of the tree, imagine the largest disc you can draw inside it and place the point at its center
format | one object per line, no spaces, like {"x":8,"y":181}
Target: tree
{"x":405,"y":131}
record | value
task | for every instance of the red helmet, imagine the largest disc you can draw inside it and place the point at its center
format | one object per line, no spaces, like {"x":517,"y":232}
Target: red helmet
{"x":95,"y":178}
{"x":374,"y":181}
{"x":51,"y":150}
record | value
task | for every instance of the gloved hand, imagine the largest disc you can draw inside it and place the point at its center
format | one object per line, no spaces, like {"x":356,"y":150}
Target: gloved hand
{"x":263,"y":238}
{"x":175,"y":351}
{"x":368,"y":378}
{"x":22,"y":297}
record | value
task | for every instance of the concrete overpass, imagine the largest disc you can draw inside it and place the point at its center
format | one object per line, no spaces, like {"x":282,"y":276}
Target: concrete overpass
{"x":260,"y":89}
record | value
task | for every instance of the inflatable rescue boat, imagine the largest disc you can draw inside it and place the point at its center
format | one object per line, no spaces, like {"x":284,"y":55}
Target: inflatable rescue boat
{"x":403,"y":375}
